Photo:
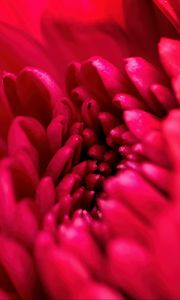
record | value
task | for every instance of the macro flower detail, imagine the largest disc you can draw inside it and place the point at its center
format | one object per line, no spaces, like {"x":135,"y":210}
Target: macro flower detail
{"x":89,"y":170}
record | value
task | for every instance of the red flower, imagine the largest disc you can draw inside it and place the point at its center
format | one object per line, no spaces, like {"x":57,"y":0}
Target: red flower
{"x":89,"y":182}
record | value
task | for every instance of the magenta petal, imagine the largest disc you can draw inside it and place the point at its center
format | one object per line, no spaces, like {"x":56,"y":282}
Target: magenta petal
{"x":140,"y":26}
{"x":25,"y":174}
{"x":108,"y":121}
{"x":130,"y":269}
{"x":45,"y":196}
{"x":28,"y":134}
{"x":85,"y":168}
{"x":4,"y":295}
{"x":164,"y":96}
{"x":103,"y":80}
{"x":97,"y":152}
{"x":135,"y":192}
{"x":171,"y":9}
{"x":19,"y":265}
{"x":60,"y":163}
{"x":170,"y":128}
{"x":155,"y":148}
{"x":140,"y":122}
{"x":159,"y":176}
{"x":86,"y":248}
{"x":90,"y":110}
{"x":25,"y":214}
{"x":169,"y":51}
{"x":67,"y":185}
{"x":56,"y":132}
{"x":176,"y":85}
{"x":7,"y":196}
{"x":128,"y":102}
{"x":26,"y":19}
{"x":122,"y":221}
{"x":28,"y":52}
{"x":143,"y":75}
{"x":39,"y":95}
{"x":69,"y":41}
{"x":167,"y":258}
{"x":98,"y":291}
{"x":62,"y":272}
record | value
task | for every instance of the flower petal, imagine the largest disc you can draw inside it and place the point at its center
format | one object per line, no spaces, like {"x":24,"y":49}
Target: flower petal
{"x":169,"y":51}
{"x":171,"y":8}
{"x":19,"y":50}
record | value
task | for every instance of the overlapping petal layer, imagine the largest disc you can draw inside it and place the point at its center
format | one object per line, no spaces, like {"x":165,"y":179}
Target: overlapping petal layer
{"x":89,"y":182}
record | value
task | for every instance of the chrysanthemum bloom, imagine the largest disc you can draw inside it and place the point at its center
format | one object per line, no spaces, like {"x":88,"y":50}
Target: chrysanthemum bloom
{"x":89,"y":180}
